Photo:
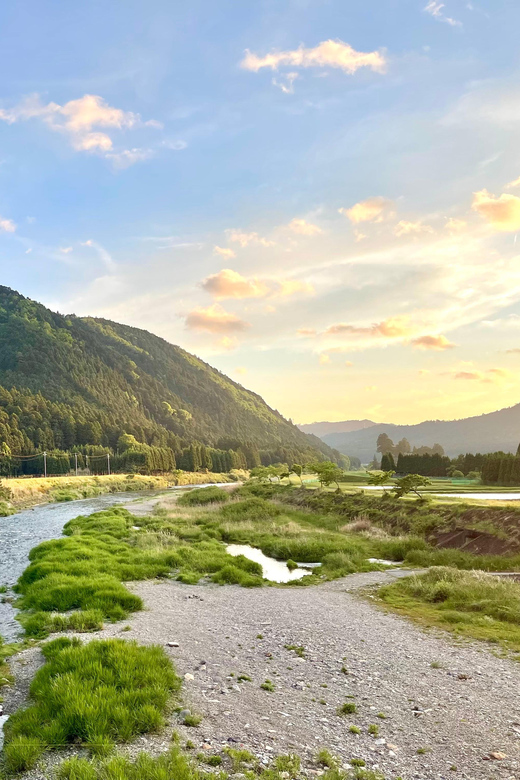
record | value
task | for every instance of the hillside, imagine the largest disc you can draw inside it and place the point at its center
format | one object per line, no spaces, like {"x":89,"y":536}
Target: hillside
{"x":345,"y":426}
{"x":67,"y":381}
{"x":486,"y":433}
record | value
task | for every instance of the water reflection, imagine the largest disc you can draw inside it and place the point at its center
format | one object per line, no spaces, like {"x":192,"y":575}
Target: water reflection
{"x":274,"y":570}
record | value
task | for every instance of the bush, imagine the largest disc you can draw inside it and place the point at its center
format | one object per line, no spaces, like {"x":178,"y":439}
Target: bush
{"x":202,"y":496}
{"x":91,"y":694}
{"x":253,"y":509}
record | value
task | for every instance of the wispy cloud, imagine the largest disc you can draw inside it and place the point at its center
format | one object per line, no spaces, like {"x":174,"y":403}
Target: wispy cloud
{"x":304,"y":228}
{"x":224,"y":252}
{"x":436,"y":343}
{"x":287,"y":84}
{"x":405,"y":228}
{"x":435,"y":9}
{"x":7,"y":225}
{"x":328,"y":54}
{"x":244,"y":239}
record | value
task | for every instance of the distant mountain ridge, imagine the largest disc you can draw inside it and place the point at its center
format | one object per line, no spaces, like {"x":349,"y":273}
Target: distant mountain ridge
{"x":484,"y":433}
{"x":345,"y":426}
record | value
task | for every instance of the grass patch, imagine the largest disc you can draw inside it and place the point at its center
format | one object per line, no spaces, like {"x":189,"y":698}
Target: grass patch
{"x":202,"y":496}
{"x":6,"y":651}
{"x":348,"y":708}
{"x":267,"y":685}
{"x":298,"y":649}
{"x":473,"y":604}
{"x":93,"y":695}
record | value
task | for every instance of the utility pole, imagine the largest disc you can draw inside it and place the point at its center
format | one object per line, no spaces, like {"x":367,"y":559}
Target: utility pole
{"x":108,"y":463}
{"x":76,"y":458}
{"x":45,"y":464}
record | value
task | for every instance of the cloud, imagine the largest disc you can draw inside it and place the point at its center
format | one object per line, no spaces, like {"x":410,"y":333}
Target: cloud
{"x":230,"y":284}
{"x":128,"y":157}
{"x":304,"y":228}
{"x":405,"y":228}
{"x":455,"y":225}
{"x":7,"y":225}
{"x":435,"y":9}
{"x":393,"y":327}
{"x":512,"y":321}
{"x":324,"y":359}
{"x":224,"y":252}
{"x":502,"y":213}
{"x":215,"y":319}
{"x":490,"y":375}
{"x":65,"y":249}
{"x":328,"y":54}
{"x":286,"y":86}
{"x":370,"y":210}
{"x":515,"y":351}
{"x":80,"y":121}
{"x":438,"y":343}
{"x":349,"y":363}
{"x":307,"y":332}
{"x":514,"y":183}
{"x":241,"y":370}
{"x":244,"y":239}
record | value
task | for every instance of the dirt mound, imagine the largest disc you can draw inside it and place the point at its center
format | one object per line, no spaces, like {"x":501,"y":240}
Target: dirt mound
{"x":470,"y":540}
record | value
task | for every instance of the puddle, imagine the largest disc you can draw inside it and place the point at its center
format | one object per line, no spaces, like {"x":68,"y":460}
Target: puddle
{"x":382,"y":562}
{"x":274,"y":570}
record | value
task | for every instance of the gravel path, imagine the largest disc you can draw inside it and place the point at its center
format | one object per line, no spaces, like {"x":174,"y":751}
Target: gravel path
{"x":455,"y":715}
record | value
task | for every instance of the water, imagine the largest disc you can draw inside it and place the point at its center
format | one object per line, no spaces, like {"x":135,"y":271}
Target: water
{"x":21,"y":532}
{"x":274,"y":570}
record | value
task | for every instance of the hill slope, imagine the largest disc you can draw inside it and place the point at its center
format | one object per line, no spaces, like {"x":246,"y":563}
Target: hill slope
{"x":345,"y":426}
{"x":71,"y":380}
{"x":486,"y":433}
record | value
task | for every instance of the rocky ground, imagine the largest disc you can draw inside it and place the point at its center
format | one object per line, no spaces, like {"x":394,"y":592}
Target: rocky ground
{"x":450,"y":710}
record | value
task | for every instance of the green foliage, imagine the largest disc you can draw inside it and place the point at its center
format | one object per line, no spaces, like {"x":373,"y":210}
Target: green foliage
{"x":267,"y":685}
{"x":348,"y":708}
{"x":202,"y":496}
{"x":90,"y":694}
{"x":381,"y":479}
{"x":410,"y":484}
{"x":327,"y":472}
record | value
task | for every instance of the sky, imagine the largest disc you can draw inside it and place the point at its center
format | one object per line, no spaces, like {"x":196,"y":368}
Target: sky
{"x":320,"y":198}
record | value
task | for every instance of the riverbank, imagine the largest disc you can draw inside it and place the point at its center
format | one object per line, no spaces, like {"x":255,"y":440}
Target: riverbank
{"x":37,"y":490}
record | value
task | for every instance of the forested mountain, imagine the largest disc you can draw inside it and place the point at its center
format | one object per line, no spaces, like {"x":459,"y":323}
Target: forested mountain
{"x":497,"y":431}
{"x":68,"y":381}
{"x":345,"y":426}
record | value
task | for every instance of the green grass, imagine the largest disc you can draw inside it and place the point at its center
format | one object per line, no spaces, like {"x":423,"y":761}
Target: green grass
{"x":6,"y":651}
{"x":202,"y":496}
{"x":472,"y":604}
{"x":267,"y":685}
{"x":348,"y":708}
{"x":298,"y":649}
{"x":93,"y":695}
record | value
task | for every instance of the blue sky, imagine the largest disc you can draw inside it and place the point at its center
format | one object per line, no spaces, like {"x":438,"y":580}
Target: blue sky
{"x":318,"y":198}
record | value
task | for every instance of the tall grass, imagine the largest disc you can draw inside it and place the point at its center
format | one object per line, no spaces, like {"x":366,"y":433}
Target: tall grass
{"x":94,"y":695}
{"x":203,"y":496}
{"x":473,"y":603}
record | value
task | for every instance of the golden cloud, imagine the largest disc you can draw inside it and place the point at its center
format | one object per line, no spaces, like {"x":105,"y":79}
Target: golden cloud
{"x":324,"y":359}
{"x":502,"y":213}
{"x":328,"y":54}
{"x":393,"y":327}
{"x":231,"y":284}
{"x":224,"y":252}
{"x":304,"y":228}
{"x":77,"y":119}
{"x":370,"y":210}
{"x":215,"y":319}
{"x":438,"y":343}
{"x":307,"y":332}
{"x":455,"y":225}
{"x":244,"y":239}
{"x":405,"y":228}
{"x":491,"y":375}
{"x":514,"y":183}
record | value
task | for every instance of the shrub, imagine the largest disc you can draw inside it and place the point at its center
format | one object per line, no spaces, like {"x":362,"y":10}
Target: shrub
{"x":347,"y":709}
{"x":253,"y":509}
{"x":202,"y":496}
{"x":90,"y":694}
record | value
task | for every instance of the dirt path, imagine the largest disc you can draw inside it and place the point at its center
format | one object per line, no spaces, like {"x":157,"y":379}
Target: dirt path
{"x":456,"y":714}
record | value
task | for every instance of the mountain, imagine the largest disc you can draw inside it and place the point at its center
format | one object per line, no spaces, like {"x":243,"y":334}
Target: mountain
{"x":486,"y":433}
{"x":322,"y":428}
{"x":67,"y":381}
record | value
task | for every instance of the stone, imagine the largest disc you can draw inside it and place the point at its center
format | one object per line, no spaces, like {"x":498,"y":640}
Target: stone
{"x":173,"y":644}
{"x":188,"y":677}
{"x":497,"y":756}
{"x":183,"y":714}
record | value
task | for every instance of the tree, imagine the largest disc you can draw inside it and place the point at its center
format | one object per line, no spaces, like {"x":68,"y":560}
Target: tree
{"x":384,"y":443}
{"x":298,"y":470}
{"x":456,"y":474}
{"x":327,"y":472}
{"x":388,"y":462}
{"x":381,"y":479}
{"x":410,"y":484}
